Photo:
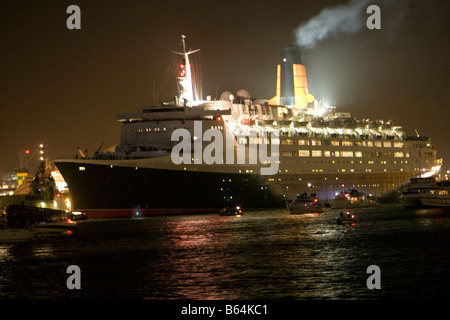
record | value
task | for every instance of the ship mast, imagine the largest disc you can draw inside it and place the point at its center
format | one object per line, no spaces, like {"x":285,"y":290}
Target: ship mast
{"x":186,"y":93}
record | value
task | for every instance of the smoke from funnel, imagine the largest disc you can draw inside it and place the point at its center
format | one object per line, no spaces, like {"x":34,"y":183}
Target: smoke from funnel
{"x":343,"y":18}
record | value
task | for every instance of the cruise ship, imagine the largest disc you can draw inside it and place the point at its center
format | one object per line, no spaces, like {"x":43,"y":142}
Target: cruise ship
{"x":194,"y":155}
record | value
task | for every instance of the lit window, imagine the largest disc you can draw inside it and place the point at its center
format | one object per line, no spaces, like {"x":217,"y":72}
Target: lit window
{"x":287,"y":141}
{"x":303,"y":153}
{"x":316,"y":153}
{"x":347,"y":154}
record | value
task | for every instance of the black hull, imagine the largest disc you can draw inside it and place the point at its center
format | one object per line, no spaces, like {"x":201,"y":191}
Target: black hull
{"x":106,"y":191}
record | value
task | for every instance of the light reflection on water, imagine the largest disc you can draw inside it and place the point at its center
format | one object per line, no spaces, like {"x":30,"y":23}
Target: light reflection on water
{"x":4,"y":253}
{"x":44,"y":251}
{"x":261,"y":255}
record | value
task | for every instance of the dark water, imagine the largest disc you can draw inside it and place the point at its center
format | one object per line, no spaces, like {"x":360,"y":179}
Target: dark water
{"x":261,"y":255}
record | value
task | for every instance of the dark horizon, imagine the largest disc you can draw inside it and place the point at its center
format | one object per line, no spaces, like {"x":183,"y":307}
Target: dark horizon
{"x":65,"y":87}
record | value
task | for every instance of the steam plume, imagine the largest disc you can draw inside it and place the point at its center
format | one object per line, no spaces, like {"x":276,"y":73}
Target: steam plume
{"x":343,"y":18}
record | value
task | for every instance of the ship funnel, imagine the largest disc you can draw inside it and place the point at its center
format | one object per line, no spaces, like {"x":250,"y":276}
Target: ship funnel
{"x":290,"y":55}
{"x":292,"y":85}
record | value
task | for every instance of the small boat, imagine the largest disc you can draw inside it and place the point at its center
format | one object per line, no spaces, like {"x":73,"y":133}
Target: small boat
{"x":305,"y":204}
{"x":77,"y":216}
{"x":57,"y":226}
{"x":231,"y":212}
{"x":418,"y":188}
{"x":351,"y":199}
{"x":347,"y":218}
{"x":427,"y":193}
{"x":15,"y":235}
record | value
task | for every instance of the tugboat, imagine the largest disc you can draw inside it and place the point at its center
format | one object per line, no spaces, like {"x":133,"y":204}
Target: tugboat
{"x":37,"y":202}
{"x":305,"y":204}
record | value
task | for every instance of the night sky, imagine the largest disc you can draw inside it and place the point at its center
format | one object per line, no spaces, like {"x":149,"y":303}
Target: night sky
{"x":65,"y":87}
